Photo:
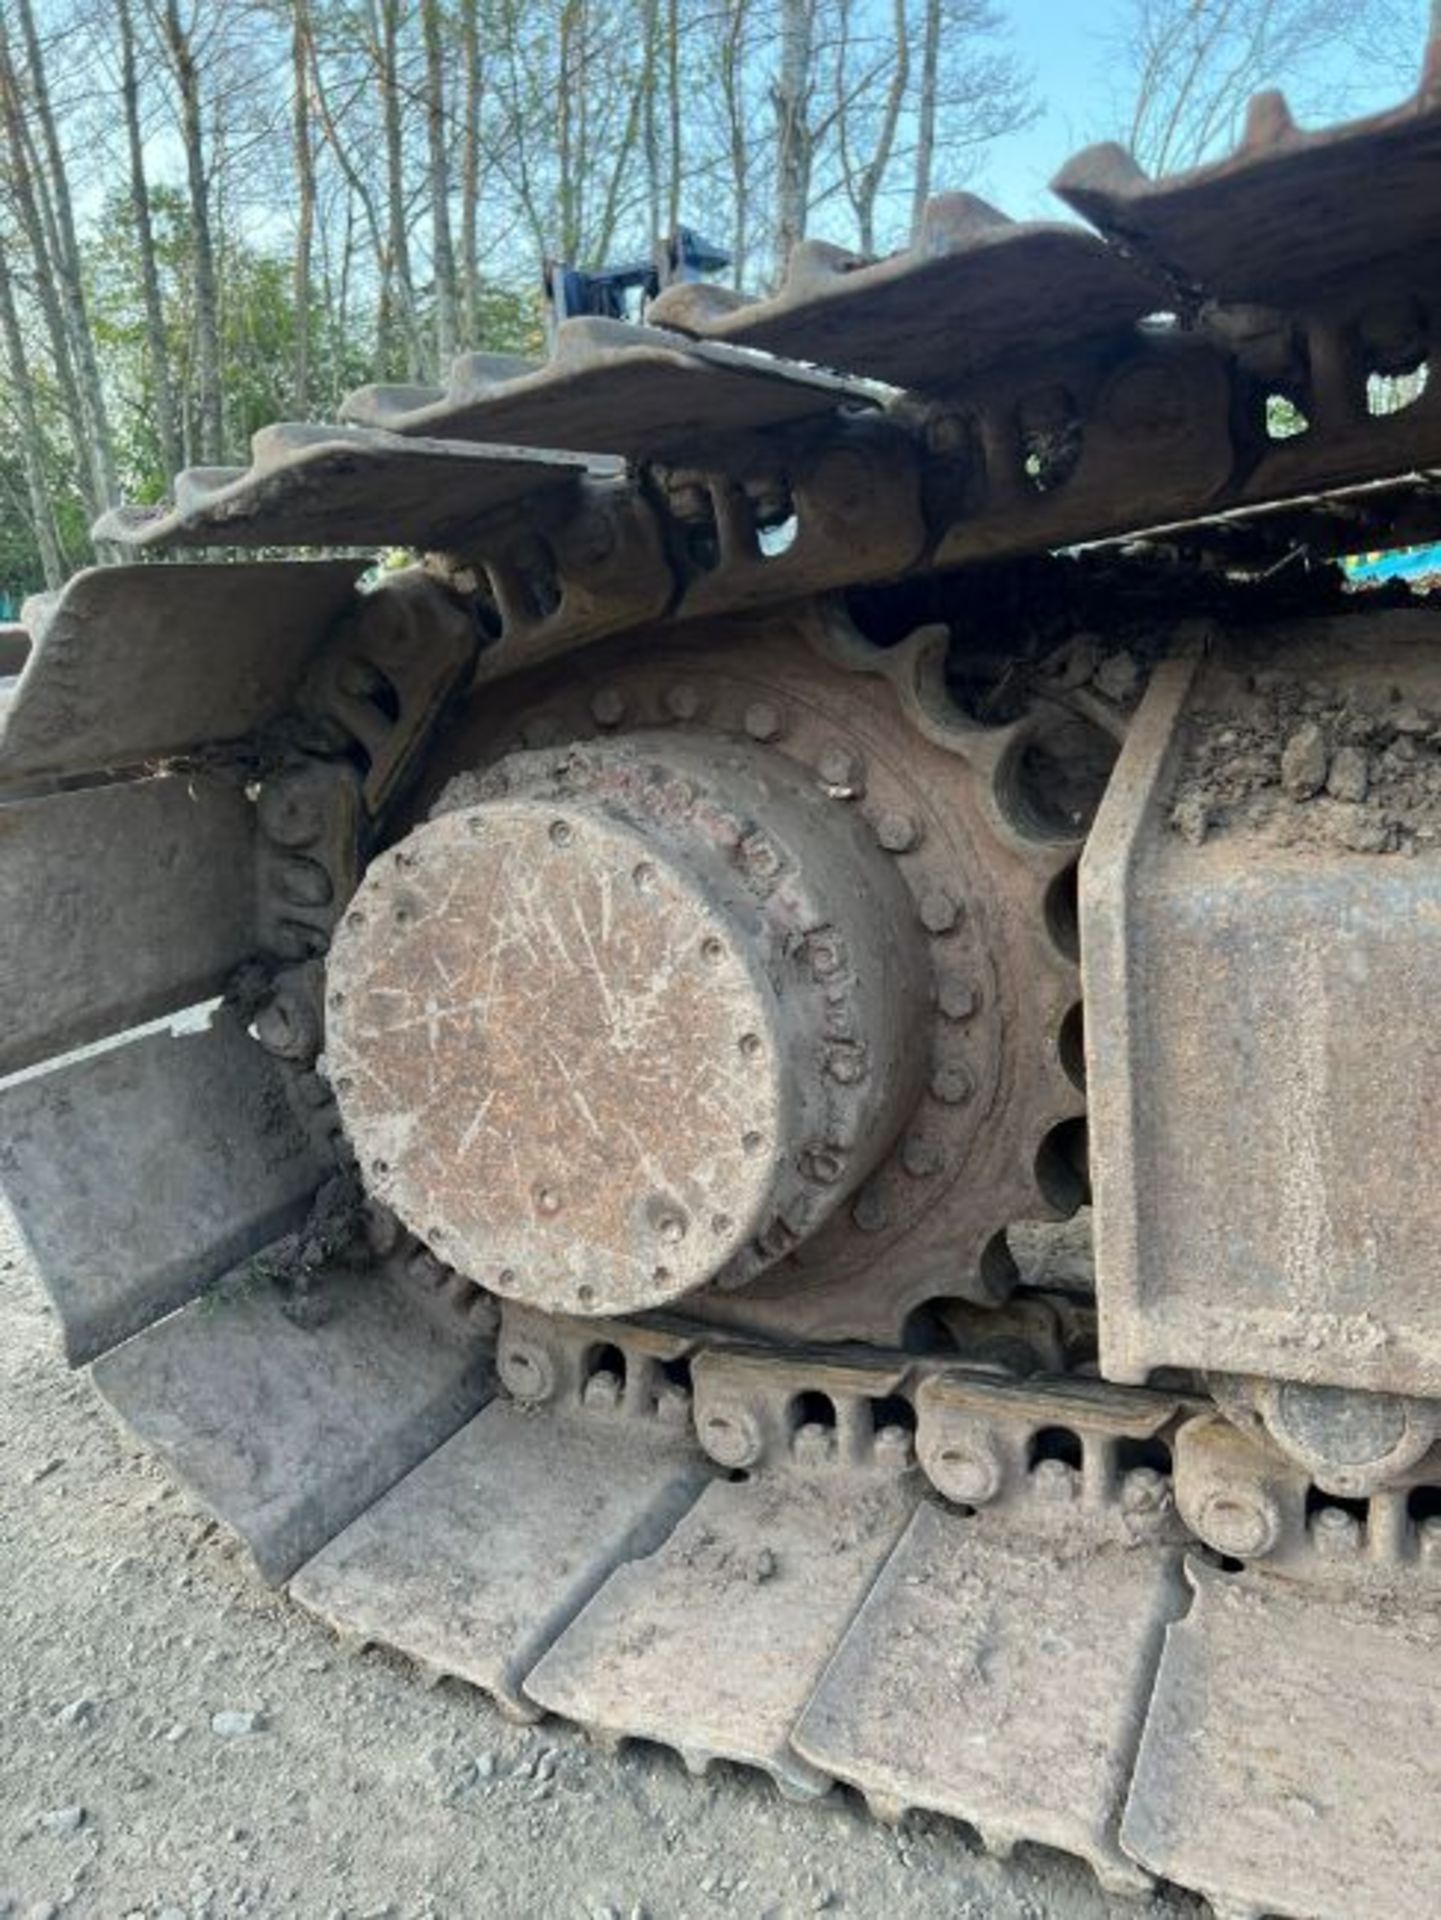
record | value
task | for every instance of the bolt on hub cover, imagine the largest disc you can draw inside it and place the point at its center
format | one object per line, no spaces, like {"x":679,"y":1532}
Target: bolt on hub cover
{"x":577,"y":1042}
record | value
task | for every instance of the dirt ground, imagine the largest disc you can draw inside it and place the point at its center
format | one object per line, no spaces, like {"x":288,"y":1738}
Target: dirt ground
{"x":131,"y":1621}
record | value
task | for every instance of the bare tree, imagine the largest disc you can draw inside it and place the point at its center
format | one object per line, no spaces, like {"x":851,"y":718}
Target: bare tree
{"x":166,"y":420}
{"x":301,"y":47}
{"x":178,"y":34}
{"x":442,"y":249}
{"x":32,"y":440}
{"x":67,"y":267}
{"x":1190,"y":66}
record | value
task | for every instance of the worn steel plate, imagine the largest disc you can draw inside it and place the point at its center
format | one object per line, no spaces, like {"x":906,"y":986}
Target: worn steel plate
{"x":611,"y":388}
{"x":1001,"y":1678}
{"x":118,"y":903}
{"x":133,"y":663}
{"x":139,"y":1174}
{"x":713,"y":1644}
{"x":343,"y":486}
{"x":974,"y":290}
{"x":1291,"y":1762}
{"x":285,"y":1432}
{"x":1282,"y":215}
{"x":480,"y":1557}
{"x":1263,"y":1058}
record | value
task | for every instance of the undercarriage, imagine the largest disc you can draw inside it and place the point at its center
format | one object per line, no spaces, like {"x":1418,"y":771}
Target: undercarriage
{"x":778,"y":1099}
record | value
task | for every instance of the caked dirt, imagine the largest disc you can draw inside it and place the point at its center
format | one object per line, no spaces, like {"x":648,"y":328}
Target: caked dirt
{"x":1300,"y":764}
{"x":180,"y":1744}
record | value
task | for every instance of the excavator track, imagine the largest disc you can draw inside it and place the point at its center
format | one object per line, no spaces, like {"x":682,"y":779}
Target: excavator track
{"x":528,"y":1073}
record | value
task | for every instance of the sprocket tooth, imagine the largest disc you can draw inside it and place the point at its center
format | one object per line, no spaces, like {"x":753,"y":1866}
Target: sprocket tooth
{"x":485,"y":1553}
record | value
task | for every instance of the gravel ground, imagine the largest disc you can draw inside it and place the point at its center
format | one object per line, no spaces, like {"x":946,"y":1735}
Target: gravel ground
{"x":132,"y":1622}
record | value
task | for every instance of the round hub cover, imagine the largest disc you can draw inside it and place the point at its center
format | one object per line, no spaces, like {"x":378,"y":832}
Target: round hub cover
{"x":583,"y":1052}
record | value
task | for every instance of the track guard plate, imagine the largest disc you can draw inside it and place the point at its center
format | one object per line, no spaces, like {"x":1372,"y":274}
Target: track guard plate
{"x":475,"y":1562}
{"x":286,"y":1432}
{"x":713,"y":1644}
{"x":1291,"y":1761}
{"x":1262,"y":1059}
{"x":1001,"y":1679}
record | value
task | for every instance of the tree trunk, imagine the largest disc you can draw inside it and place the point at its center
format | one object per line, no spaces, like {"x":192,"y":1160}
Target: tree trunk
{"x":926,"y":115}
{"x":733,"y":70}
{"x":442,"y":248}
{"x":470,"y":175}
{"x":400,"y":288}
{"x":300,"y":42}
{"x":100,"y":450}
{"x":32,"y":447}
{"x":672,"y":50}
{"x":166,"y":427}
{"x":791,"y":96}
{"x":207,"y":292}
{"x":22,"y":184}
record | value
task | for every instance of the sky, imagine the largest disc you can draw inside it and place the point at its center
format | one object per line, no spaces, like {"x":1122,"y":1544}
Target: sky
{"x":1068,"y":45}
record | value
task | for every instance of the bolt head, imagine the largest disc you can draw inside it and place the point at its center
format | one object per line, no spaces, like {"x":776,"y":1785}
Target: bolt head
{"x":731,"y":1435}
{"x":602,"y":1391}
{"x":526,"y":1370}
{"x":846,"y":1066}
{"x":1244,"y":1525}
{"x":672,"y":1406}
{"x":287,"y":1027}
{"x":870,"y":1210}
{"x":956,"y":998}
{"x":1144,"y":1490}
{"x":939,"y":912}
{"x":607,"y":706}
{"x":952,"y":1085}
{"x":961,"y":1462}
{"x":842,"y":773}
{"x":897,"y":831}
{"x":826,"y":955}
{"x":1335,"y":1533}
{"x":682,"y":700}
{"x":763,"y":721}
{"x":290,"y":814}
{"x":1055,"y":1481}
{"x":921,"y":1156}
{"x":822,"y":1164}
{"x":893,"y":1446}
{"x":813,"y":1445}
{"x":760,"y":857}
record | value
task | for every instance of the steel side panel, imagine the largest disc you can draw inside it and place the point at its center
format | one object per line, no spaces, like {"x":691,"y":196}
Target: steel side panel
{"x":1027,"y":1662}
{"x":1291,"y":1761}
{"x":140,"y":1174}
{"x":713,"y":1644}
{"x":131,"y":664}
{"x":286,"y":1432}
{"x":119,"y":903}
{"x":1263,"y":1056}
{"x":476,"y":1561}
